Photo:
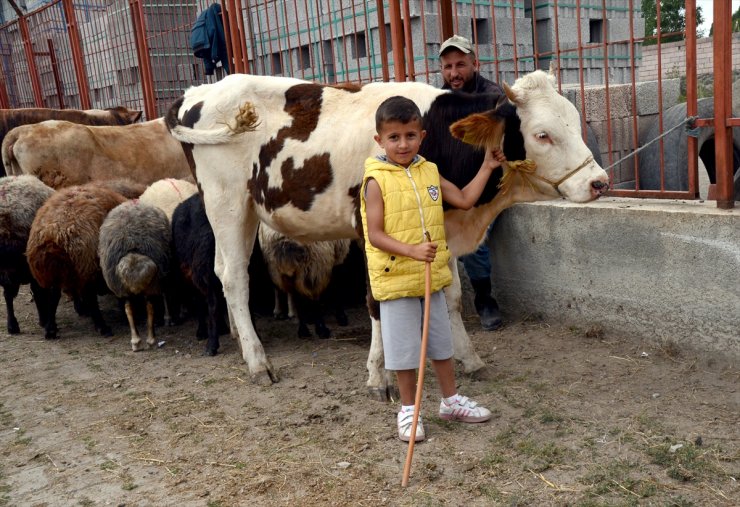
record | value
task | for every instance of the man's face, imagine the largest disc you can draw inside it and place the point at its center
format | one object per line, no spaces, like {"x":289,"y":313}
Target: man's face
{"x":457,"y":68}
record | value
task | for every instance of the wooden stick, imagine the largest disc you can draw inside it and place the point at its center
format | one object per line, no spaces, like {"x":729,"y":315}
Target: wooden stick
{"x":422,"y":364}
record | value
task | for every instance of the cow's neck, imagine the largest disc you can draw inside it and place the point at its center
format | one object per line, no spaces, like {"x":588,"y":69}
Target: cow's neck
{"x":466,"y":229}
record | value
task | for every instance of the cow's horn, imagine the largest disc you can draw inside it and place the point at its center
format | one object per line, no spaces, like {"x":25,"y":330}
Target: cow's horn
{"x":510,"y":93}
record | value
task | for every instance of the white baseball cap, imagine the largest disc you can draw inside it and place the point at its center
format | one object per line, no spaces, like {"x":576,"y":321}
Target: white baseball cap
{"x":458,"y":42}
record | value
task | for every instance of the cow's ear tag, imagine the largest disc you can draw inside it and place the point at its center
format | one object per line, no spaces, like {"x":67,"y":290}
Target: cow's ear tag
{"x":469,"y":138}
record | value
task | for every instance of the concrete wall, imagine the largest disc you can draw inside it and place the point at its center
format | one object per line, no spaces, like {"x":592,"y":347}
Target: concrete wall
{"x":673,"y":58}
{"x":657,"y":270}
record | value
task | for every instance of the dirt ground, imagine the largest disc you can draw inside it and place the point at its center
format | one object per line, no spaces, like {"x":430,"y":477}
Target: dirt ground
{"x":580,"y":418}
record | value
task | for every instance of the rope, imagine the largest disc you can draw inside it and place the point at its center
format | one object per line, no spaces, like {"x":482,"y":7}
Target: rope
{"x":691,"y":132}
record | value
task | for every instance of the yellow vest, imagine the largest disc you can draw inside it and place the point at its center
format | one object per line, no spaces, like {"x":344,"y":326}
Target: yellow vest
{"x":412,"y":204}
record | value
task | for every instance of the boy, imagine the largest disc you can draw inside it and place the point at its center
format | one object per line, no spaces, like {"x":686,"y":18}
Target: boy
{"x":402,"y":202}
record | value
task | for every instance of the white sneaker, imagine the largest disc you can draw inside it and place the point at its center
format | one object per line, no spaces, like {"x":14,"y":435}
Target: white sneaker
{"x":463,"y":409}
{"x":405,"y":420}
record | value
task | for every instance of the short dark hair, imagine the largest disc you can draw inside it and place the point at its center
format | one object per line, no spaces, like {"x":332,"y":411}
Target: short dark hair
{"x":396,"y":108}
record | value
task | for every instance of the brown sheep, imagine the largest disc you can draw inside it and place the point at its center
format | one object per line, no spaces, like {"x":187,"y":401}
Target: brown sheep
{"x":62,"y":248}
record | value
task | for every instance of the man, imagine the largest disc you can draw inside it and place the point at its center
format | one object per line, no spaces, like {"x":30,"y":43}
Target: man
{"x":460,"y":72}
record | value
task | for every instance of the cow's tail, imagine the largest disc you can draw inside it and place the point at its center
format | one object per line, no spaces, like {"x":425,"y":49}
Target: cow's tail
{"x":10,"y":164}
{"x":246,"y":120}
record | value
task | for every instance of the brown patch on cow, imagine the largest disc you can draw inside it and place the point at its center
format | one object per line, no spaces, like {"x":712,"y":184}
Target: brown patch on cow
{"x":123,"y":115}
{"x":300,"y":184}
{"x":170,"y":119}
{"x":347,"y":87}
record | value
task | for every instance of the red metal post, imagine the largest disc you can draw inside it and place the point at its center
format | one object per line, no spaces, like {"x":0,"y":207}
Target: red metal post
{"x":55,"y":71}
{"x":32,"y":70}
{"x":691,"y":95}
{"x":445,"y":14}
{"x":397,"y":41}
{"x":383,"y":43}
{"x":73,"y":31}
{"x":233,"y":37}
{"x":145,"y":66}
{"x":4,"y":100}
{"x":723,"y":104}
{"x":242,"y":36}
{"x":408,"y":41}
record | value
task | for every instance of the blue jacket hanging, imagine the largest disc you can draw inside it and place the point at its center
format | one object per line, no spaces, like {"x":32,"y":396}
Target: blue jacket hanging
{"x":208,"y":40}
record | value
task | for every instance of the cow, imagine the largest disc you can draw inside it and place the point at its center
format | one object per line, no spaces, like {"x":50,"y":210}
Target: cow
{"x":12,"y":118}
{"x":290,"y":153}
{"x":62,"y":154}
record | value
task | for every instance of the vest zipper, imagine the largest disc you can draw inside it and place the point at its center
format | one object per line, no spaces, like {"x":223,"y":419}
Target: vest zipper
{"x":418,"y":201}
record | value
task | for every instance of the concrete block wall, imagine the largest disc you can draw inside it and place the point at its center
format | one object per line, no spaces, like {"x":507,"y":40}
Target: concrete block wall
{"x":651,"y":269}
{"x":618,"y":124}
{"x":673,"y":58}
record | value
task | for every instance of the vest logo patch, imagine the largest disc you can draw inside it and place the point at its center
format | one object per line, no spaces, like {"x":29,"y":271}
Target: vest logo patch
{"x":433,"y":192}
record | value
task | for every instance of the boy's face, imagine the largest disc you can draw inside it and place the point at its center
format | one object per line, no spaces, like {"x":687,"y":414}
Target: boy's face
{"x":401,"y":141}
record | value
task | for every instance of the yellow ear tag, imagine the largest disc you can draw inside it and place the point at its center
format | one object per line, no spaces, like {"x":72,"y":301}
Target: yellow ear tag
{"x":469,"y":139}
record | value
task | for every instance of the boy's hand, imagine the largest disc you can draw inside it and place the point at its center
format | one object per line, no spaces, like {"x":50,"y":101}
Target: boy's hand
{"x":494,"y":158}
{"x":424,"y":252}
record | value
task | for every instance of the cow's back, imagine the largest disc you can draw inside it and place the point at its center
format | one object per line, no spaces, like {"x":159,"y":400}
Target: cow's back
{"x":63,"y":154}
{"x":303,"y":165}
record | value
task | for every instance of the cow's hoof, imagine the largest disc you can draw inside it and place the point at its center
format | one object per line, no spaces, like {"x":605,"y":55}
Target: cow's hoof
{"x":483,"y":373}
{"x":210,"y":352}
{"x":51,"y":335}
{"x":13,"y":327}
{"x":105,"y":331}
{"x":264,"y":378}
{"x":388,"y":393}
{"x":323,"y":332}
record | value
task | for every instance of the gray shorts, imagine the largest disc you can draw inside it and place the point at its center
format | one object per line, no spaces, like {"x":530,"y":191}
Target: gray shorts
{"x":401,"y":323}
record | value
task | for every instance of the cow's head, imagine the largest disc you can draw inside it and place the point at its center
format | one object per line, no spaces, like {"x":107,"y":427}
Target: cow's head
{"x":551,"y":128}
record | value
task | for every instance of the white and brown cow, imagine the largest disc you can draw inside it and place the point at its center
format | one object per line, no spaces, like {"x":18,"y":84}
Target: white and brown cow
{"x":12,"y":118}
{"x":291,"y":153}
{"x":62,"y":154}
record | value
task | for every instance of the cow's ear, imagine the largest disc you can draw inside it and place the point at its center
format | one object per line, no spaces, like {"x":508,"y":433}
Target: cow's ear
{"x":511,"y":94}
{"x":483,"y":130}
{"x":134,"y":115}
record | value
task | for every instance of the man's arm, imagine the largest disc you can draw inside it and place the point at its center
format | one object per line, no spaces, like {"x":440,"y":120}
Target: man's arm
{"x":466,"y":197}
{"x":375,"y":212}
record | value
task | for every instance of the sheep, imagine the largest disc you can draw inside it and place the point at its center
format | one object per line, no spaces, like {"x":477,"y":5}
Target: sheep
{"x":304,"y":271}
{"x":166,"y":194}
{"x":135,"y":255}
{"x":20,"y":199}
{"x":195,"y":247}
{"x":62,"y":249}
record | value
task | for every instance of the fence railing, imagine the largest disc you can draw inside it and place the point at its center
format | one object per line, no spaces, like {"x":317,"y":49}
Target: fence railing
{"x":103,"y":53}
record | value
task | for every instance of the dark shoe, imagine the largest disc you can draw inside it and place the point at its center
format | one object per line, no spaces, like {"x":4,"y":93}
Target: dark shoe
{"x":490,"y":317}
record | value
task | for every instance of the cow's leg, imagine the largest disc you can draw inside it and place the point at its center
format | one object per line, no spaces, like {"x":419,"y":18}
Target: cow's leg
{"x":213,"y":316}
{"x":463,"y":347}
{"x":235,"y":230}
{"x":380,"y":382}
{"x":11,"y":291}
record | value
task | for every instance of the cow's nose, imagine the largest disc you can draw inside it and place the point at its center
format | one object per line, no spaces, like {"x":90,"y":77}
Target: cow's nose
{"x":600,"y":187}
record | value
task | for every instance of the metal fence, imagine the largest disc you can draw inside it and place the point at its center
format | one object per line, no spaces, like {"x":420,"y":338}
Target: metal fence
{"x":102,"y":53}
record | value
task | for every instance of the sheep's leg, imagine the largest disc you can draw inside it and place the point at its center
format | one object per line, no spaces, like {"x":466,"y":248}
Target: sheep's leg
{"x":50,"y":325}
{"x":317,"y":315}
{"x":90,"y":299}
{"x":235,"y":231}
{"x":40,"y":298}
{"x":281,"y":301}
{"x":135,"y":338}
{"x":149,"y":323}
{"x":461,"y":343}
{"x":11,"y":291}
{"x":304,"y":315}
{"x":213,"y":317}
{"x":292,"y":309}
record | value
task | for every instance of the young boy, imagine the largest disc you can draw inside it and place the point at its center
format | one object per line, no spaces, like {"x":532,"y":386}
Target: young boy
{"x":402,"y":202}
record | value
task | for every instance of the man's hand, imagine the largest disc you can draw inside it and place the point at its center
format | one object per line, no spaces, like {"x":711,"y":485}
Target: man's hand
{"x":424,"y":252}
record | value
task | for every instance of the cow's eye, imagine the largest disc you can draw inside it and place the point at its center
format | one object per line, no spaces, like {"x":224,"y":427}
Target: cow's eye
{"x":542,"y":136}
